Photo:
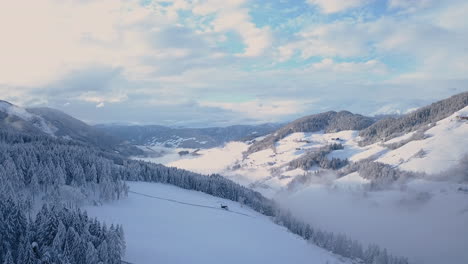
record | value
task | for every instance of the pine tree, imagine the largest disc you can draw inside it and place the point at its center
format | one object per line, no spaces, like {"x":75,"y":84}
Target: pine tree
{"x":121,"y":235}
{"x":103,"y":253}
{"x":71,"y":244}
{"x":91,"y":254}
{"x":59,"y":240}
{"x":113,"y":246}
{"x":26,"y":254}
{"x":8,"y":258}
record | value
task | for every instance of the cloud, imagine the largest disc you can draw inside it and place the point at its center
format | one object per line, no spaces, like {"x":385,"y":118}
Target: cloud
{"x":370,"y":66}
{"x":44,"y":40}
{"x":339,"y":39}
{"x":335,"y":6}
{"x":266,"y":110}
{"x":409,"y":6}
{"x":232,"y":15}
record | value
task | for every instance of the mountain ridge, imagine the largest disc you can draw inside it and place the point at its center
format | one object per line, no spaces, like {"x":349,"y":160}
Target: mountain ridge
{"x":55,"y":123}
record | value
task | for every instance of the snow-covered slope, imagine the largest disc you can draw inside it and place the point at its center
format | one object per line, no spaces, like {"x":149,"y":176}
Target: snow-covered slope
{"x":167,"y":231}
{"x":447,"y":142}
{"x":17,"y":118}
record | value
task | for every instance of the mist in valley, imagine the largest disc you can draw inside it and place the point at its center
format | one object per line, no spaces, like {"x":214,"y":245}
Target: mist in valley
{"x":427,"y":222}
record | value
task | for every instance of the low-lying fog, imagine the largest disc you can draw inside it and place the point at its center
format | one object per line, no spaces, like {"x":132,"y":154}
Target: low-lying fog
{"x":425,"y":222}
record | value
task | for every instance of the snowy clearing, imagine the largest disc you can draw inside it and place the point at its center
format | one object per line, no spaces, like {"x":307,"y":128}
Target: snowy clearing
{"x":170,"y":232}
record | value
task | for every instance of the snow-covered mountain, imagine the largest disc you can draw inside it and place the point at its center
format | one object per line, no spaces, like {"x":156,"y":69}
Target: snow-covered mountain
{"x":52,"y":122}
{"x":16,"y":118}
{"x":432,"y":144}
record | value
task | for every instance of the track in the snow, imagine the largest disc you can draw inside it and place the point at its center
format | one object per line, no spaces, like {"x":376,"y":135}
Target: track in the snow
{"x":190,"y":204}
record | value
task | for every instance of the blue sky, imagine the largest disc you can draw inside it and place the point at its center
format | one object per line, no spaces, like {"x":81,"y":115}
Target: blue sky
{"x":212,"y":62}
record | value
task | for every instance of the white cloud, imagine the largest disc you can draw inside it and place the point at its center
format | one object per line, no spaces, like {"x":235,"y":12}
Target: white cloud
{"x":100,"y":99}
{"x":232,"y":15}
{"x":341,"y":39}
{"x":370,"y":66}
{"x":335,"y":6}
{"x":45,"y":39}
{"x":268,"y":110}
{"x":409,"y":6}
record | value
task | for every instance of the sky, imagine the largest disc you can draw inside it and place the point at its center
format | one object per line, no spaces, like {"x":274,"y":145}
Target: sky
{"x":223,"y":62}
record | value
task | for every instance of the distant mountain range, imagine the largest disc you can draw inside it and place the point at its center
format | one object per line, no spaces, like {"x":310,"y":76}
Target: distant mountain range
{"x":153,"y":135}
{"x":121,"y":138}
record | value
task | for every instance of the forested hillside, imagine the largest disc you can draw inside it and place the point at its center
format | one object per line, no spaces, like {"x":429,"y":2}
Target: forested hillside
{"x":327,"y":122}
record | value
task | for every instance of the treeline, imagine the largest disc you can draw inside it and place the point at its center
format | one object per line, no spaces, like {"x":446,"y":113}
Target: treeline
{"x":319,"y":158}
{"x":215,"y":184}
{"x":381,"y":175}
{"x":389,"y":128}
{"x":418,"y":135}
{"x":56,"y":235}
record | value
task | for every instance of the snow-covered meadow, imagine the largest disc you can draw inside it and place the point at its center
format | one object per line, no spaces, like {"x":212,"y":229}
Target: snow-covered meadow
{"x":173,"y":232}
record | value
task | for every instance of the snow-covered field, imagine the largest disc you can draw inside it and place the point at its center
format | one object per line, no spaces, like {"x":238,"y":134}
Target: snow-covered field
{"x":162,"y":231}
